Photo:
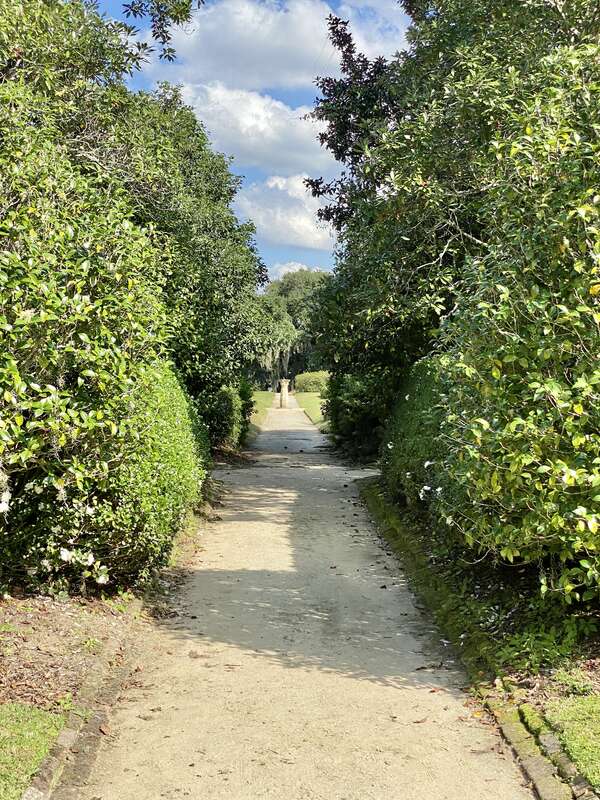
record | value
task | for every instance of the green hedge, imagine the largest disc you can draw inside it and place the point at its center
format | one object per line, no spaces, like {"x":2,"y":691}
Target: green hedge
{"x":126,"y":302}
{"x":354,"y":413}
{"x":157,"y":483}
{"x":411,"y":454}
{"x":230,"y":414}
{"x":311,"y":382}
{"x":523,"y":351}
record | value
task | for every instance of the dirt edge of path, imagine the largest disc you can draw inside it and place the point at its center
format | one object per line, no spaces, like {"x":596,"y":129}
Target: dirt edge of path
{"x":96,"y":696}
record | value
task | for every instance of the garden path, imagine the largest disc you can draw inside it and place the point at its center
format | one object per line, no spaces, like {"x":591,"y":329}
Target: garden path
{"x":299,"y":666}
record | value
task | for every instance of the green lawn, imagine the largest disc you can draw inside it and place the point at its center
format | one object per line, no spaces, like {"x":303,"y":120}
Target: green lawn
{"x":26,"y":735}
{"x":311,"y":403}
{"x":262,"y":403}
{"x":578,"y":721}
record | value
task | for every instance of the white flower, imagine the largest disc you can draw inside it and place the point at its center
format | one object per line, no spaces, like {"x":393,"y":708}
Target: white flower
{"x":38,"y":489}
{"x":408,"y":474}
{"x":428,"y":464}
{"x":46,"y":564}
{"x":102,"y":578}
{"x":407,"y":396}
{"x":424,"y":491}
{"x":90,"y":559}
{"x":438,"y":490}
{"x":390,"y":445}
{"x":65,"y":555}
{"x":4,"y":501}
{"x":90,"y":510}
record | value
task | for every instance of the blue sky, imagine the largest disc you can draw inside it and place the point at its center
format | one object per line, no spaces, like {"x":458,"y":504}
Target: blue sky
{"x":247,"y":67}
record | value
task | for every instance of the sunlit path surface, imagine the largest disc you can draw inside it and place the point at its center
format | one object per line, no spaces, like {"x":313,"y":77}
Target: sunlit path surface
{"x":298,"y":667}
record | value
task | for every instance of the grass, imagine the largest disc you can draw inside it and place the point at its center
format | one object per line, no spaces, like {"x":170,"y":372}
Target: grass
{"x":262,"y":403}
{"x":577,"y":720}
{"x":26,"y":735}
{"x":311,"y":403}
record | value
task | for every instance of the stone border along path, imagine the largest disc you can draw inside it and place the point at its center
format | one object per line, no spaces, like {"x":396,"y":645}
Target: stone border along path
{"x":298,"y":666}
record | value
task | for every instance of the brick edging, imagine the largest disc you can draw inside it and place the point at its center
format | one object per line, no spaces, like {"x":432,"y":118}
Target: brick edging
{"x":553,"y":775}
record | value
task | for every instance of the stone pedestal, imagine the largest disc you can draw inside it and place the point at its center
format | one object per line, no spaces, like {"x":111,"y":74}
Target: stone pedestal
{"x":283,"y":397}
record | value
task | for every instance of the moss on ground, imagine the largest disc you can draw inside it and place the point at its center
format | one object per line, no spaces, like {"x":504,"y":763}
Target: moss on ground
{"x":577,"y":721}
{"x":26,"y":735}
{"x":310,"y":402}
{"x":533,"y":720}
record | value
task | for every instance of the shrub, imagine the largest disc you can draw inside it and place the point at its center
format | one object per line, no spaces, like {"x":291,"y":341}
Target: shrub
{"x":226,"y":418}
{"x":524,"y":403}
{"x":78,"y":324}
{"x":354,"y":414}
{"x":119,"y":530}
{"x":412,"y":452}
{"x":311,"y":382}
{"x":247,"y":407}
{"x":156,"y":484}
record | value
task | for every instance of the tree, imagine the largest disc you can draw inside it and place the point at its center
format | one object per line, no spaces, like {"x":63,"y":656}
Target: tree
{"x":127,"y":303}
{"x":467,"y":218}
{"x":286,"y":309}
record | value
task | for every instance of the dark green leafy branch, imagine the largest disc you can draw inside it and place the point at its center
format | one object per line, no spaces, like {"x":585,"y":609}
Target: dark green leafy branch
{"x":462,"y":324}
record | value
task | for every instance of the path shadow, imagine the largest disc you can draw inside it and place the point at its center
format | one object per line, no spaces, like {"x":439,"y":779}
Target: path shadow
{"x":309,"y":585}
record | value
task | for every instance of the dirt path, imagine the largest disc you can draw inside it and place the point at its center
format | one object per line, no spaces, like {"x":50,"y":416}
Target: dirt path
{"x":300,"y":667}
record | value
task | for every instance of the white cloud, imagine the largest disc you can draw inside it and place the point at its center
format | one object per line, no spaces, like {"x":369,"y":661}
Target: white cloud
{"x":378,"y":26}
{"x":235,"y":63}
{"x":284,"y":212}
{"x":280,"y":269}
{"x":260,"y":131}
{"x":254,"y":44}
{"x":236,"y":54}
{"x":267,"y":44}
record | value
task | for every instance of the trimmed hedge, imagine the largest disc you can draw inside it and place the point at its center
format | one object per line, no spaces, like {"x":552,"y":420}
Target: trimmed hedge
{"x":411,"y":454}
{"x":230,"y":414}
{"x":311,"y":382}
{"x":126,"y":301}
{"x":354,"y":414}
{"x":158,"y":481}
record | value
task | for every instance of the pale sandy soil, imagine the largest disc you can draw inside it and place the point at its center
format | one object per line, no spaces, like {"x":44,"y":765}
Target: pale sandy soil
{"x":299,"y":666}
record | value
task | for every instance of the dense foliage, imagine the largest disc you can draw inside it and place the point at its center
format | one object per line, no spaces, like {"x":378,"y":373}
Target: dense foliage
{"x":286,"y":346}
{"x":469,"y":242}
{"x":127,"y":303}
{"x":311,"y":382}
